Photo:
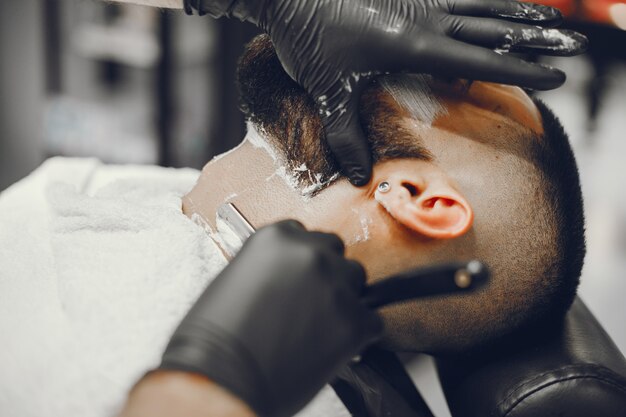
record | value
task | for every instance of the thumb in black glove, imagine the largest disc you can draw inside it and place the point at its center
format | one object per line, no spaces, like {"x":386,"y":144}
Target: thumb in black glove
{"x":333,"y":47}
{"x":279,"y":322}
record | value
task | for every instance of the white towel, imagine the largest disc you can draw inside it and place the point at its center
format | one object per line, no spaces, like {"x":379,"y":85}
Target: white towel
{"x":98,"y":265}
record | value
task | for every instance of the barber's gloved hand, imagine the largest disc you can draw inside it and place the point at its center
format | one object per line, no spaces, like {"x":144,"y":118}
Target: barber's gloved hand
{"x":279,"y":322}
{"x":333,"y":47}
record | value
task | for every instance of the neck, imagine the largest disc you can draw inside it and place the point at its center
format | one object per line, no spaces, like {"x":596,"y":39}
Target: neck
{"x":253,"y":178}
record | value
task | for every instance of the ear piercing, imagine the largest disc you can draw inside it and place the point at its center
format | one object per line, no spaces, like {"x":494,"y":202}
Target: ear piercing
{"x":384,"y":187}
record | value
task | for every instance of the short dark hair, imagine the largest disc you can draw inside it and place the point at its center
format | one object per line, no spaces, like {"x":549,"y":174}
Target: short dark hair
{"x":554,"y":158}
{"x":287,"y":116}
{"x":560,"y":188}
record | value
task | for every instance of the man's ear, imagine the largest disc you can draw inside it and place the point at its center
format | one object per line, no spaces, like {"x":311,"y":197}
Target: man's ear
{"x":430,"y":206}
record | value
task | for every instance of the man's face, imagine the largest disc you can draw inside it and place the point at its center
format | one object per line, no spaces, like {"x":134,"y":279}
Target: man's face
{"x":485,"y":113}
{"x":478,"y":143}
{"x":478,"y":140}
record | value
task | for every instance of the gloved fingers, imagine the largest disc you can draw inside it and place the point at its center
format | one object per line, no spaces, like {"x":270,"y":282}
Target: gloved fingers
{"x":516,"y":37}
{"x":290,"y":229}
{"x":370,"y":326}
{"x":327,"y":241}
{"x":515,"y":10}
{"x":346,"y":138}
{"x":453,"y":58}
{"x":355,"y":276}
{"x":290,"y":224}
{"x":555,"y":42}
{"x":367,"y":324}
{"x":376,"y":327}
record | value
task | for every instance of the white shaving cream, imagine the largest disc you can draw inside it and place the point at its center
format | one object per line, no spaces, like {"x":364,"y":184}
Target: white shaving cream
{"x":527,"y":11}
{"x":293,"y":177}
{"x":562,"y":41}
{"x":364,"y":234}
{"x":254,"y":137}
{"x":558,"y":40}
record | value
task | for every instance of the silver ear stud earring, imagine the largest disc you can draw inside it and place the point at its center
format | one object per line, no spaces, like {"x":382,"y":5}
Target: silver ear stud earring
{"x":384,"y":187}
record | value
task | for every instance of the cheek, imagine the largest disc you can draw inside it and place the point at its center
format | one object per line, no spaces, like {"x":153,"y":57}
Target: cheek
{"x":391,"y":248}
{"x":383,"y":263}
{"x":391,"y":256}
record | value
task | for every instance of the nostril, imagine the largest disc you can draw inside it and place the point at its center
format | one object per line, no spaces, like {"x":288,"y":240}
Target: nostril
{"x":412,"y":189}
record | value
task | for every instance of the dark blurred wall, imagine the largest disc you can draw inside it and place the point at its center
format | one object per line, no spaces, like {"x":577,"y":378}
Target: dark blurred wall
{"x":228,"y":126}
{"x":21,"y":88}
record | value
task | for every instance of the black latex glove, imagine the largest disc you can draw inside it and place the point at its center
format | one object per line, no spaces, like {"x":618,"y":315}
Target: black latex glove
{"x":333,"y":47}
{"x":279,"y":322}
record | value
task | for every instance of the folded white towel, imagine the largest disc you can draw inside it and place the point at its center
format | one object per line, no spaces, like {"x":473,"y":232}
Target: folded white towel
{"x":98,"y":265}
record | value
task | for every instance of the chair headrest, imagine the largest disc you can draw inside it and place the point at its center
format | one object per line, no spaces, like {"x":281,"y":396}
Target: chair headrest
{"x":572,"y":369}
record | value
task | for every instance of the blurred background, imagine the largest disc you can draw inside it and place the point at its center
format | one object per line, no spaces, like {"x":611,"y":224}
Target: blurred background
{"x":130,"y":84}
{"x":123,"y":83}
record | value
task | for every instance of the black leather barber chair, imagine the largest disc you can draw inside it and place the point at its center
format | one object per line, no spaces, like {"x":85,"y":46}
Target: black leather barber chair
{"x":569,"y":369}
{"x":572,"y":369}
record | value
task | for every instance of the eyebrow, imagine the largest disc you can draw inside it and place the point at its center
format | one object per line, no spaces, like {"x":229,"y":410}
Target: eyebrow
{"x":390,"y":139}
{"x":405,"y":145}
{"x":389,"y":135}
